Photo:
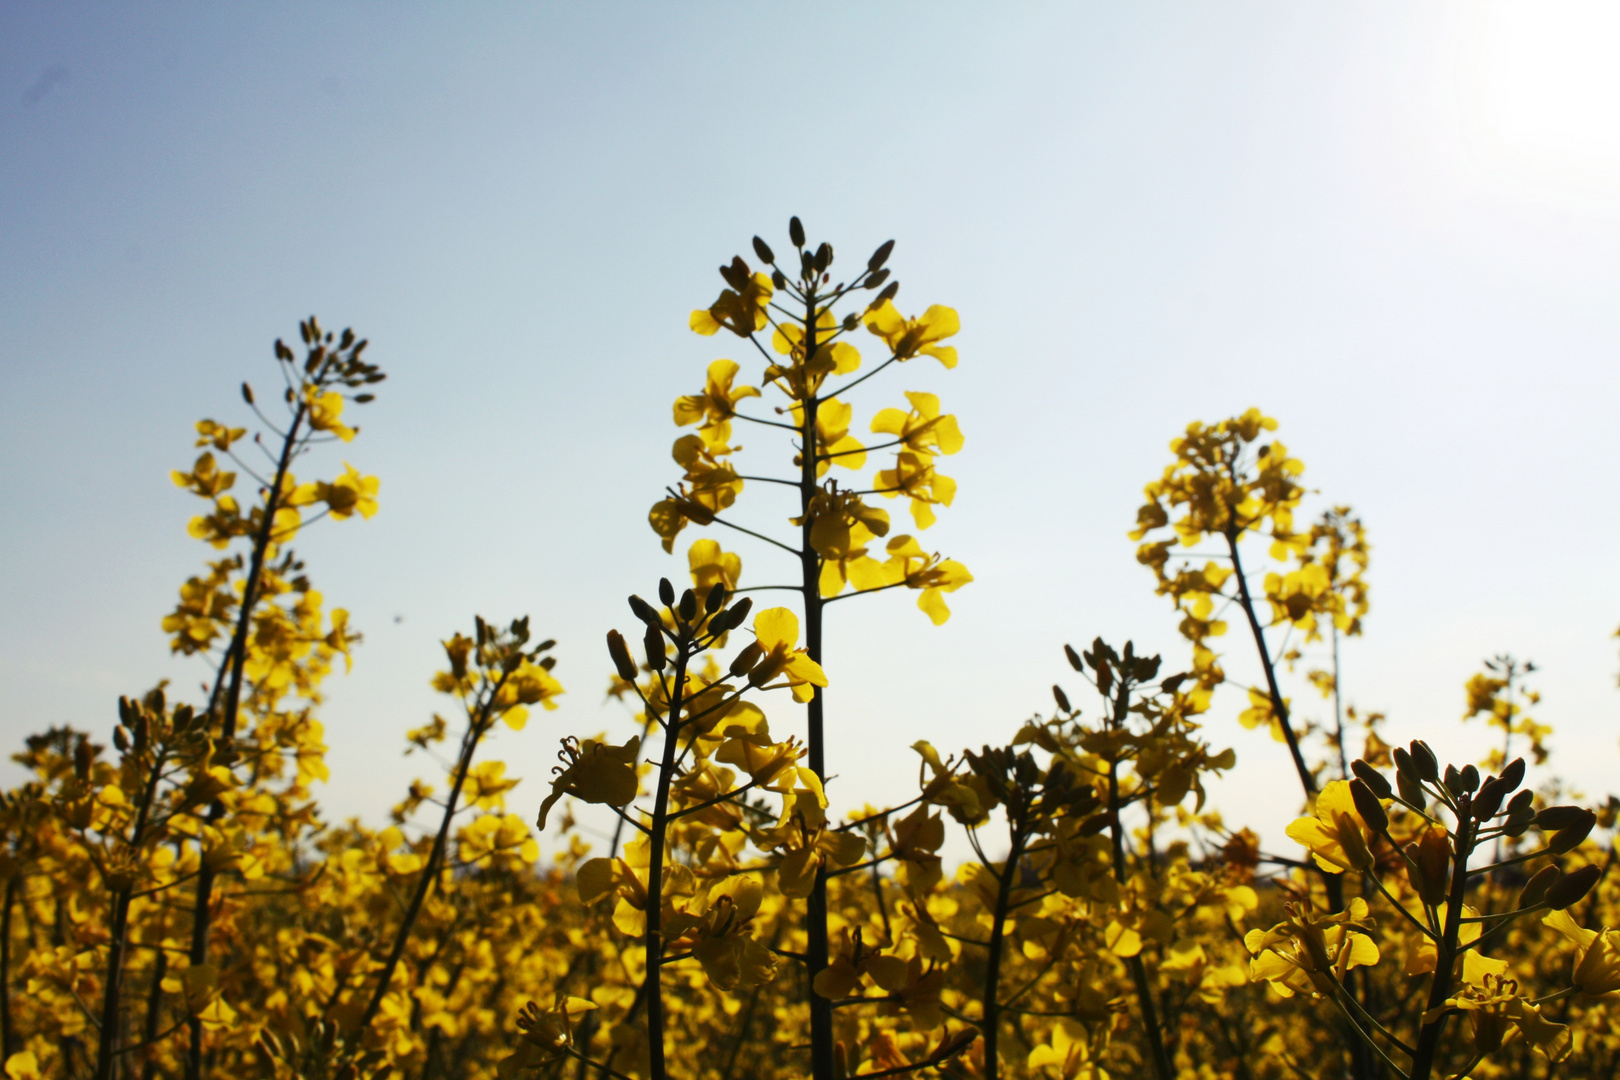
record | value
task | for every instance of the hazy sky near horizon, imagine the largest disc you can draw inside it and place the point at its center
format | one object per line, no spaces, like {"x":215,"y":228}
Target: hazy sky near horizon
{"x":1395,"y":227}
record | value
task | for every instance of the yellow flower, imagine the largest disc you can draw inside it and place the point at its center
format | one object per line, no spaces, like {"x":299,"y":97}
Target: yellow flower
{"x":933,"y":575}
{"x":326,"y":411}
{"x":1597,"y":957}
{"x":741,"y":308}
{"x":1336,"y":836}
{"x":923,"y":429}
{"x":716,"y":405}
{"x":908,"y":337}
{"x":1305,"y":954}
{"x":597,"y":773}
{"x":777,"y":630}
{"x":349,"y":494}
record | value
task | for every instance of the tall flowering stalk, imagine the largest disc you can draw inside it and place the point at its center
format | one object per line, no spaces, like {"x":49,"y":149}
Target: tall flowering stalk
{"x":812,"y":363}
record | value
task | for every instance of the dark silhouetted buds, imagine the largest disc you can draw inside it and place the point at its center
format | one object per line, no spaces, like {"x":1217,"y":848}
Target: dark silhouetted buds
{"x":1513,"y":775}
{"x":621,"y":656}
{"x":1061,"y":697}
{"x":1470,"y":778}
{"x":1535,"y":890}
{"x":744,"y":662}
{"x":1368,"y":806}
{"x":763,"y":250}
{"x":247,"y":393}
{"x":644,"y":611}
{"x":666,"y":592}
{"x":1410,"y":790}
{"x":1571,"y":887}
{"x":654,"y":644}
{"x":796,"y":232}
{"x":1424,"y":762}
{"x":1553,"y":818}
{"x":1570,"y":836}
{"x":1453,"y":781}
{"x":688,"y":606}
{"x":1372,"y":778}
{"x":1074,"y":658}
{"x":715,"y":600}
{"x":1431,"y":858}
{"x":1489,"y":799}
{"x":880,"y":256}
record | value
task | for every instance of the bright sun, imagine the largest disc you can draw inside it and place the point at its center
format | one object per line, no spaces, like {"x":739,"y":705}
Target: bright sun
{"x":1545,"y":86}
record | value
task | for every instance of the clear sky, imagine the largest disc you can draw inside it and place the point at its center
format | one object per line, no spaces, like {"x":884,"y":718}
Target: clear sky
{"x":1393,"y":226}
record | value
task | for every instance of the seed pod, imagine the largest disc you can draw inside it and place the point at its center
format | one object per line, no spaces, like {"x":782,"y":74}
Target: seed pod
{"x":1424,"y":761}
{"x":1470,"y":778}
{"x":666,"y":592}
{"x":1489,"y":799}
{"x":621,"y":656}
{"x":1571,"y":887}
{"x":1553,"y":818}
{"x":1062,"y":698}
{"x":1372,"y":778}
{"x":688,"y":606}
{"x":654,"y":644}
{"x":796,"y":232}
{"x":1411,"y":791}
{"x":715,"y":600}
{"x":1570,"y":836}
{"x":744,"y":662}
{"x":644,"y":611}
{"x":1368,"y":806}
{"x":763,"y":250}
{"x":1535,"y":890}
{"x":1513,"y":775}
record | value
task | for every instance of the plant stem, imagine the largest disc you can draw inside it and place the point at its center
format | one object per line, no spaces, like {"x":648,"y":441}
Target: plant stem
{"x":1162,"y":1067}
{"x":991,"y":1024}
{"x":478,"y":723}
{"x":236,"y":659}
{"x":655,"y":870}
{"x":821,"y":1011}
{"x":1446,"y":948}
{"x":8,"y":1038}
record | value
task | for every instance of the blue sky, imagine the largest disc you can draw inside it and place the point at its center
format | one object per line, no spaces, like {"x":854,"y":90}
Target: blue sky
{"x":1391,"y":226}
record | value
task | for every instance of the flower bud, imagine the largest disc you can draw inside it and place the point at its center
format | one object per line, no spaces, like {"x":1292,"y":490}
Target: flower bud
{"x":1489,"y":799}
{"x":1559,"y":817}
{"x":796,"y":232}
{"x":1074,"y":658}
{"x":1411,"y":791}
{"x":1535,"y":890}
{"x":1372,"y":778}
{"x":621,"y":656}
{"x":1061,"y":697}
{"x":715,"y":600}
{"x":1354,"y":844}
{"x":763,"y":250}
{"x":1403,"y":761}
{"x":1570,"y":836}
{"x":1513,"y":775}
{"x":688,"y":606}
{"x":644,"y":611}
{"x":1570,"y":888}
{"x":880,"y":256}
{"x":1470,"y":778}
{"x":654,"y":644}
{"x":1453,"y":781}
{"x":1431,"y":859}
{"x":744,"y":662}
{"x":1368,"y":806}
{"x":1424,"y":761}
{"x":666,"y":592}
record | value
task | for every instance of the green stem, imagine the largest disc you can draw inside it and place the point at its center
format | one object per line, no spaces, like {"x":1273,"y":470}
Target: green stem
{"x":655,"y":872}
